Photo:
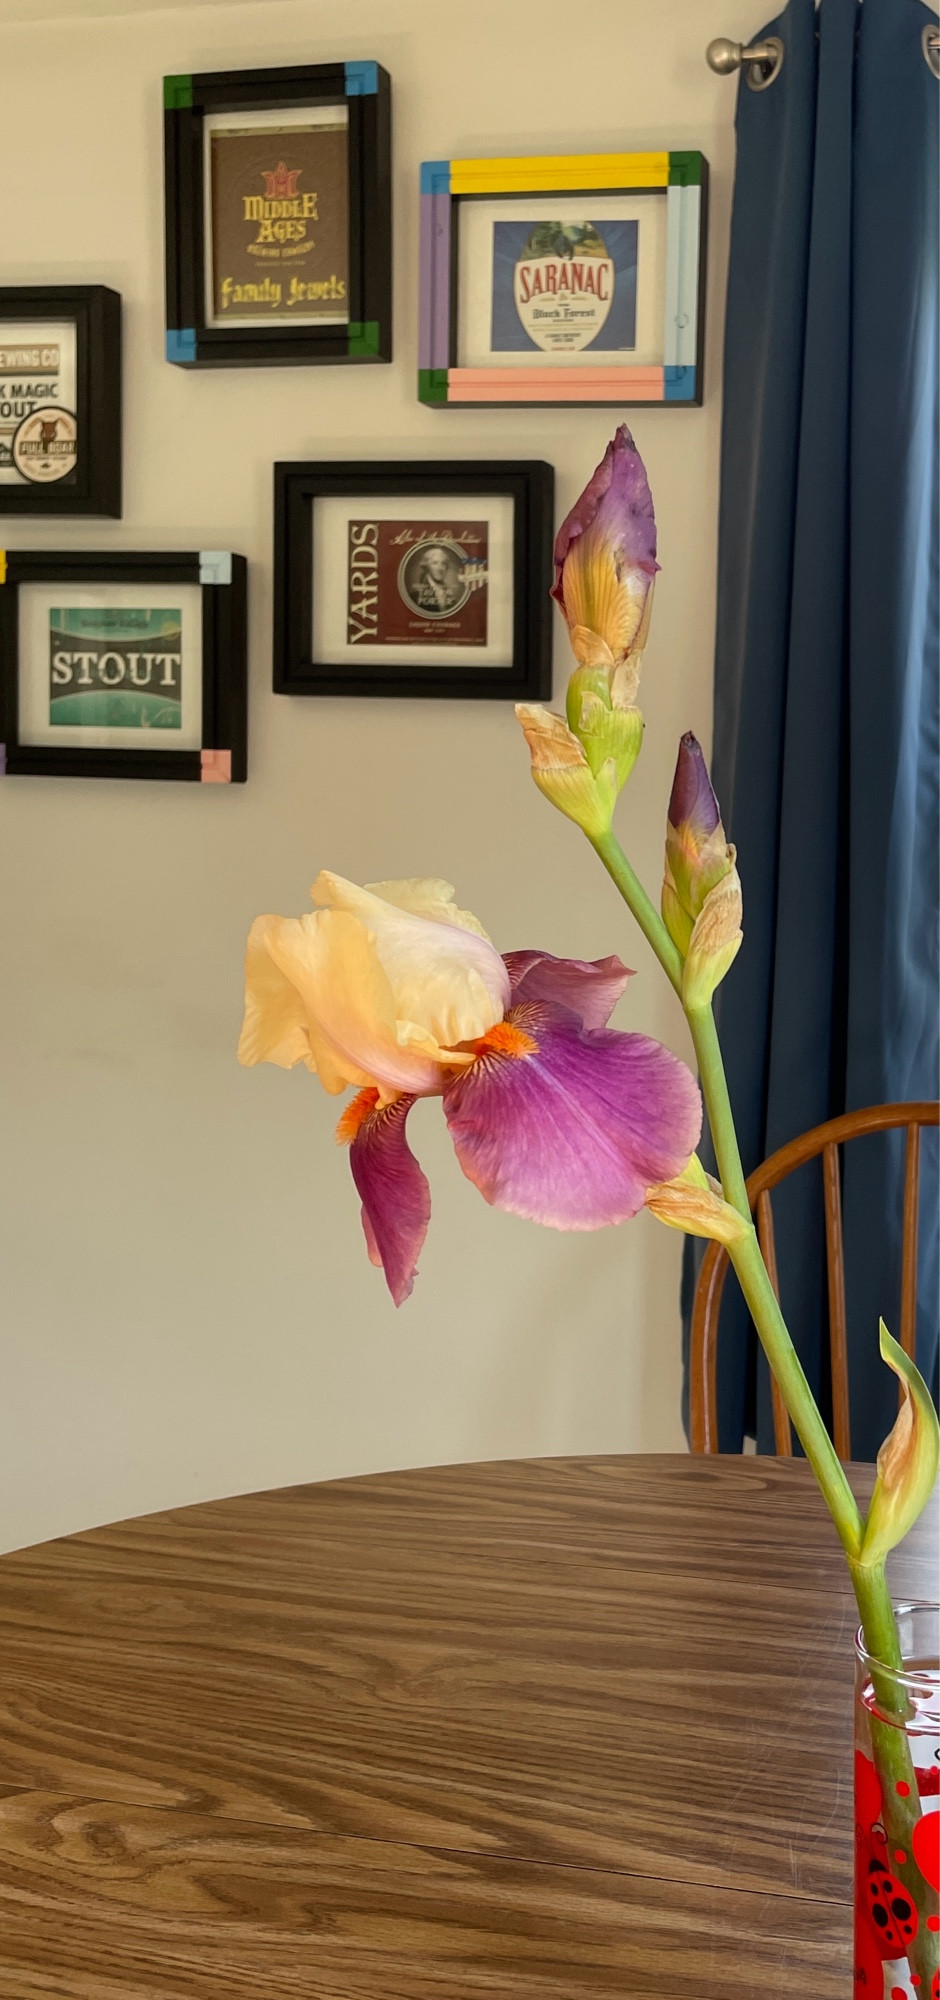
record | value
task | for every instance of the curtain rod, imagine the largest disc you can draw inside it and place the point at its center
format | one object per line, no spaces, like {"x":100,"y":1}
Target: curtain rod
{"x":763,"y":61}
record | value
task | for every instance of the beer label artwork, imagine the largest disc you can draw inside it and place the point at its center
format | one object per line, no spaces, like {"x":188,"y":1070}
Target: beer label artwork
{"x":115,"y":669}
{"x":280,"y":225}
{"x":38,"y":428}
{"x":563,"y":287}
{"x":410,"y":583}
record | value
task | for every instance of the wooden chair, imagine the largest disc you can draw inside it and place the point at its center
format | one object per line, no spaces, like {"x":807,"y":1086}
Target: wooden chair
{"x":825,"y":1139}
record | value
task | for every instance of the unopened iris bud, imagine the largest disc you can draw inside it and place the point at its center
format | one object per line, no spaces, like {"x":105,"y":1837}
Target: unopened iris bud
{"x":907,"y":1462}
{"x":561,"y":770}
{"x":605,"y":560}
{"x":695,"y":1203}
{"x":701,"y":900}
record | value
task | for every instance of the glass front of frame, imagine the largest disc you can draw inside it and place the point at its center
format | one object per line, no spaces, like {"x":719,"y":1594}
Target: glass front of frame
{"x":277,"y":217}
{"x":400,"y":582}
{"x":561,"y":280}
{"x":38,"y":393}
{"x":110,"y":666}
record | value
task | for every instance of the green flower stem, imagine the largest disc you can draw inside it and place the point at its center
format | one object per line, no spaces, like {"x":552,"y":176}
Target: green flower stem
{"x":711,"y":1070}
{"x":608,"y":847}
{"x":759,"y":1293}
{"x":890,"y":1744}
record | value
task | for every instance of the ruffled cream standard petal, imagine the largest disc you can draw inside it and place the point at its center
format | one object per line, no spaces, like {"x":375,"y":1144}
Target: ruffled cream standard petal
{"x":277,"y":1026}
{"x":348,"y":999}
{"x":427,"y":896}
{"x":447,"y":981}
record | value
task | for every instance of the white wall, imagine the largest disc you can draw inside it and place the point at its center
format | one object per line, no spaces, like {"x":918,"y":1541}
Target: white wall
{"x":187,"y":1306}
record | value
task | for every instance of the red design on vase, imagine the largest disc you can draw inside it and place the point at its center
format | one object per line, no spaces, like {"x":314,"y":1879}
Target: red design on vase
{"x":925,"y":1841}
{"x":869,"y":1979}
{"x":894,"y":1918}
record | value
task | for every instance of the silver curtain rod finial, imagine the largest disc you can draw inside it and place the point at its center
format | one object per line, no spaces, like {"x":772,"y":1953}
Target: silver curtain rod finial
{"x":724,"y":56}
{"x":761,"y":61}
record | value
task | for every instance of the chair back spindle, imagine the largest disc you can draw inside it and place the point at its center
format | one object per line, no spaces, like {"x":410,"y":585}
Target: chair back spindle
{"x":825,"y":1141}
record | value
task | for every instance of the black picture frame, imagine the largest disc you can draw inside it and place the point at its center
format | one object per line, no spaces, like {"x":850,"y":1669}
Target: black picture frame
{"x":530,"y":483}
{"x":94,"y":485}
{"x":365,"y":89}
{"x":223,"y":755}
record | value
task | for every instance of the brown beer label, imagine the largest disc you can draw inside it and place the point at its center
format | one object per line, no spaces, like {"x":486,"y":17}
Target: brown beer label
{"x":280,"y":222}
{"x":410,"y":582}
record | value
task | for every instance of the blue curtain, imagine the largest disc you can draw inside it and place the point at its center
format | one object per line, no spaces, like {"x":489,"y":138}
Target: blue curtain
{"x":826,"y":680}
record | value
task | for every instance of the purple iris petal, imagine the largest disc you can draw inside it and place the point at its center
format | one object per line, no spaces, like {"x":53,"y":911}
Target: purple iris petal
{"x":692,"y":802}
{"x":396,"y":1199}
{"x":618,"y":498}
{"x":591,"y":988}
{"x":573,"y":1133}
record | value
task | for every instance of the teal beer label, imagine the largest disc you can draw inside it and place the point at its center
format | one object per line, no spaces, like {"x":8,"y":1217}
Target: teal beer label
{"x":116,"y":669}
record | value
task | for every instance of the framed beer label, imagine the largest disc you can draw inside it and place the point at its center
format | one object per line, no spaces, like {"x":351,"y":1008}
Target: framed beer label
{"x":126,"y":666}
{"x":569,"y":280}
{"x":414,"y":579}
{"x":278,"y":215}
{"x":60,"y":400}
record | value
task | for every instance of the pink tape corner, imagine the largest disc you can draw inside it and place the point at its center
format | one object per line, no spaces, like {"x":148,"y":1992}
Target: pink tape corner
{"x":216,"y":767}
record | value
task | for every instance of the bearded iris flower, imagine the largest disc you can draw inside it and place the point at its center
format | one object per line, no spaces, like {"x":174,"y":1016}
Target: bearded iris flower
{"x":394,"y":992}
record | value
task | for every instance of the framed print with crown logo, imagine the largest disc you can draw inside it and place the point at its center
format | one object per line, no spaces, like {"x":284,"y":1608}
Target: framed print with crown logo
{"x":278,"y":216}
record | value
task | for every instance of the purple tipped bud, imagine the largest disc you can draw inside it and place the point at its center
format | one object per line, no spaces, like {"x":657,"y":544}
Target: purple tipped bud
{"x":617,"y":499}
{"x":605,"y":559}
{"x":701,"y":901}
{"x":693,"y":802}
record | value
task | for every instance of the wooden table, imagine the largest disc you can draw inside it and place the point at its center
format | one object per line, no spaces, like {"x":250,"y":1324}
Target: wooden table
{"x":573,"y":1727}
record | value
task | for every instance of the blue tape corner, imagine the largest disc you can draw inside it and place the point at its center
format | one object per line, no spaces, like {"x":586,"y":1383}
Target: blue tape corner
{"x":215,"y":566}
{"x":435,"y":177}
{"x":680,"y":383}
{"x":362,"y":79}
{"x":181,"y":343}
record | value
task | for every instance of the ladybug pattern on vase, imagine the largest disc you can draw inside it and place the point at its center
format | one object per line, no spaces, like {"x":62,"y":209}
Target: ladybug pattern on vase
{"x":886,"y":1915}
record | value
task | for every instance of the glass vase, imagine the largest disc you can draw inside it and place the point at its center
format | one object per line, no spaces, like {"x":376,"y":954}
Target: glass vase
{"x":897,"y":1815}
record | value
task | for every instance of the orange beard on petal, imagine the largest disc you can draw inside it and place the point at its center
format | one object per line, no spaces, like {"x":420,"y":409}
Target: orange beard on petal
{"x":506,"y":1040}
{"x":357,"y":1111}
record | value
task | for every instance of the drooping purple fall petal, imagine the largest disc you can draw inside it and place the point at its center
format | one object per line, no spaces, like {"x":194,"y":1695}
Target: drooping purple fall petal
{"x":395,"y":1196}
{"x":571,"y":1126}
{"x":618,"y":502}
{"x":589,"y":987}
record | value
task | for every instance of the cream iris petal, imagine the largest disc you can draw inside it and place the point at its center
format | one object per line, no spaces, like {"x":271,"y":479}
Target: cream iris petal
{"x":331,"y":960}
{"x":276,"y":1027}
{"x":428,"y":896}
{"x":447,"y":980}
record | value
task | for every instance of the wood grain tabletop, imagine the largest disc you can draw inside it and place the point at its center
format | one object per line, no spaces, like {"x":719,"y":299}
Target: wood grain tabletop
{"x":534,"y":1730}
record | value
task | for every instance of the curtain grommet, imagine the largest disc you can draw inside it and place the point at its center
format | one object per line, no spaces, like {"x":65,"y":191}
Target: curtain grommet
{"x":930,"y":43}
{"x":761,"y":74}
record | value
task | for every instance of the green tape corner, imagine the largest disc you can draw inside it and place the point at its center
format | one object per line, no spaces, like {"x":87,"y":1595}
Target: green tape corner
{"x":363,"y":336}
{"x":432,"y":385}
{"x":177,"y":93}
{"x":685,"y":169}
